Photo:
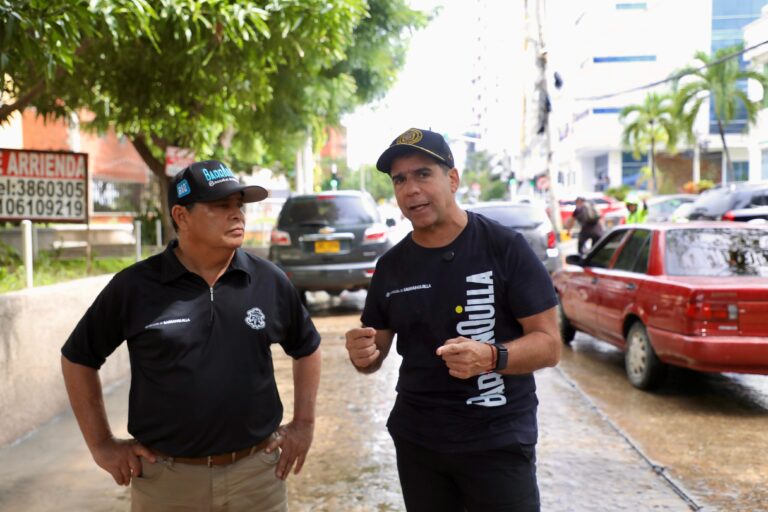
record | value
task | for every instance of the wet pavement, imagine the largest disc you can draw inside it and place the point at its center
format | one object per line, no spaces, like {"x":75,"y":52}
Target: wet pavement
{"x":585,"y":464}
{"x":708,"y":430}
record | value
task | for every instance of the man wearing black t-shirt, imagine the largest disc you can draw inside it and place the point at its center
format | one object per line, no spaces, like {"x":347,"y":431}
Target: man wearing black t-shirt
{"x":474,"y":313}
{"x":199,"y":320}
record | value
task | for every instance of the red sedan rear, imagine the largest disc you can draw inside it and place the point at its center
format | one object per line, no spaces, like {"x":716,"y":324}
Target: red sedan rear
{"x":692,"y":295}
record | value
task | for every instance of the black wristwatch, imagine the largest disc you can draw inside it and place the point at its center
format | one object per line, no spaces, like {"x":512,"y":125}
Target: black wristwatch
{"x":501,"y":357}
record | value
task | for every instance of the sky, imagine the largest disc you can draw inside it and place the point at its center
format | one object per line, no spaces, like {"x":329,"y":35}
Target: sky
{"x":433,"y":89}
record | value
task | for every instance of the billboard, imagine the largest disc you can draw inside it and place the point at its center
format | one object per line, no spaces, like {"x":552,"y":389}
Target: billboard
{"x":43,"y":186}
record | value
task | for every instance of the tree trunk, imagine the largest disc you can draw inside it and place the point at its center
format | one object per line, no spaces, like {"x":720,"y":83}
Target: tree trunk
{"x":7,"y":110}
{"x":652,"y":158}
{"x":158,"y":169}
{"x":728,"y":162}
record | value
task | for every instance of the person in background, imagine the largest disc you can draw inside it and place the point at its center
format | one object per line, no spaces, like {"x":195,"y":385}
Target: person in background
{"x":474,"y":311}
{"x":636,"y":215}
{"x":200,"y":320}
{"x":591,"y":226}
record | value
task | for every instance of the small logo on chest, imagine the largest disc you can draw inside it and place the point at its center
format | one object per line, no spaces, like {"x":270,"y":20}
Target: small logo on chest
{"x":255,"y":318}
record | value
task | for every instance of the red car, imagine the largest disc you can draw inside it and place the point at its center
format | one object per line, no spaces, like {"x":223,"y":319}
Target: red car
{"x":693,"y":295}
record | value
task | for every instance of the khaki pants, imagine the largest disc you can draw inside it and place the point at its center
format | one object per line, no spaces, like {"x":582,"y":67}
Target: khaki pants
{"x":249,"y":484}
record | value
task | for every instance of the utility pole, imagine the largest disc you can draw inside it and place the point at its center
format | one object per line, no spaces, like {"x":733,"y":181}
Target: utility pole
{"x":543,"y":103}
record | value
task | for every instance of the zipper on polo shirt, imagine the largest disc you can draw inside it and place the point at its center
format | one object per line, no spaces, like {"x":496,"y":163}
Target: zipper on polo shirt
{"x":211,"y":320}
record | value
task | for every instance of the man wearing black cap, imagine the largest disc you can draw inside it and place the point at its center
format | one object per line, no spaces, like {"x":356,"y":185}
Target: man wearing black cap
{"x":199,"y":319}
{"x":473,"y":309}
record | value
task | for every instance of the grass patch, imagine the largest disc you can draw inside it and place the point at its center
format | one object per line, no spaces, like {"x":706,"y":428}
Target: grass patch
{"x":51,"y":270}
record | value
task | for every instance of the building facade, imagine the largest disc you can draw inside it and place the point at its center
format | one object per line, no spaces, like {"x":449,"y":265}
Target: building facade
{"x":608,"y":53}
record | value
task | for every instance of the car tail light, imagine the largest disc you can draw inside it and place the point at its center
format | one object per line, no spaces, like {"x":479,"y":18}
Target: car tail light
{"x":375,"y":235}
{"x":278,"y":237}
{"x":729,"y":215}
{"x":369,"y":272}
{"x":551,"y":240}
{"x":711,"y":317}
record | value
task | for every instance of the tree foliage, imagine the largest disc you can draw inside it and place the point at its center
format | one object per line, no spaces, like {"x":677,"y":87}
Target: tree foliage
{"x":244,"y":81}
{"x":650,"y":126}
{"x":720,"y":79}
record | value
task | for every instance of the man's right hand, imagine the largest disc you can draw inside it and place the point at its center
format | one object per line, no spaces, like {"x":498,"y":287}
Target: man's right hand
{"x":120,"y":458}
{"x":361,"y":345}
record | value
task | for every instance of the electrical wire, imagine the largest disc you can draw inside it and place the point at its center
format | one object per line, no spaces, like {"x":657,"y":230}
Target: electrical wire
{"x":674,"y":77}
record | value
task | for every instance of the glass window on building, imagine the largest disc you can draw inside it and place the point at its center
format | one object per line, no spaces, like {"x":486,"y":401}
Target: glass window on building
{"x":631,"y":167}
{"x":740,"y":171}
{"x":602,"y":181}
{"x":764,"y":171}
{"x":113,"y":196}
{"x":728,"y":20}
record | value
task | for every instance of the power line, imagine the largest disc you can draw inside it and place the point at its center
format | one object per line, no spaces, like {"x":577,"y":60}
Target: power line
{"x":673,"y":77}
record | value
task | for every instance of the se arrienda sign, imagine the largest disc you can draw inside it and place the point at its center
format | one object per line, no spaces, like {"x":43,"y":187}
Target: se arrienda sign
{"x":50,"y":186}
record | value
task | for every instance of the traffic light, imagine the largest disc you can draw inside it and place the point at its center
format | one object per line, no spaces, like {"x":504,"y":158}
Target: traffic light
{"x":335,"y":180}
{"x":512,"y":180}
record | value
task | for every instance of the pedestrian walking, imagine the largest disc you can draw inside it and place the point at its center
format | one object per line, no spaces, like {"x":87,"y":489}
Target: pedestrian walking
{"x":474,"y":313}
{"x":590,"y":224}
{"x":199,"y":320}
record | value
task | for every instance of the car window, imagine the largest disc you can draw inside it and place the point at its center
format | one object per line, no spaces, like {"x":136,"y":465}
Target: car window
{"x":519,"y":215}
{"x":760,"y":199}
{"x":716,"y":252}
{"x":634,"y":255}
{"x":715,"y":201}
{"x":604,"y":252}
{"x":327,"y":210}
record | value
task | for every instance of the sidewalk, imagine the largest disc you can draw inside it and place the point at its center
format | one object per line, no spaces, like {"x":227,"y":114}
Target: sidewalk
{"x":584,"y":464}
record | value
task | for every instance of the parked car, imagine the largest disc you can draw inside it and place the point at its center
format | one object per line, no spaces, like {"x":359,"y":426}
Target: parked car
{"x":329,"y":241}
{"x":661,"y":208}
{"x":530,"y":220}
{"x":693,"y":295}
{"x":732,"y":202}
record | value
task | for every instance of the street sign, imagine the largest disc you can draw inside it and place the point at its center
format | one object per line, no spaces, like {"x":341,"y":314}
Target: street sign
{"x":177,"y":159}
{"x":43,"y":186}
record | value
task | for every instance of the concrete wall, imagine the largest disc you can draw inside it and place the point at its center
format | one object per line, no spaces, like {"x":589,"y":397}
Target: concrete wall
{"x":34,"y":324}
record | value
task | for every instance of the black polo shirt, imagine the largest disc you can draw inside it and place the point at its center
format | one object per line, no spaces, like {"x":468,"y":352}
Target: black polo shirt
{"x":202,"y":379}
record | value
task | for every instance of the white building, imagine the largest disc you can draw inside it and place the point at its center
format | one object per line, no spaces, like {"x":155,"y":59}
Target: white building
{"x":754,"y":34}
{"x":605,"y":50}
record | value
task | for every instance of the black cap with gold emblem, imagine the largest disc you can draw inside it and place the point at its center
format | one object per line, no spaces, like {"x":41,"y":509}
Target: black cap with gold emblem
{"x":416,"y":140}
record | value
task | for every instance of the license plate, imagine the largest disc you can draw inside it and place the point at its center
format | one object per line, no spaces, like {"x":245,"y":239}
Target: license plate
{"x":326,"y":246}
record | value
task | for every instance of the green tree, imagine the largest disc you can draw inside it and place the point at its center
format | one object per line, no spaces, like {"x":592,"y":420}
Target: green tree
{"x":650,"y":126}
{"x":721,"y":79}
{"x":242,"y":80}
{"x":377,"y":183}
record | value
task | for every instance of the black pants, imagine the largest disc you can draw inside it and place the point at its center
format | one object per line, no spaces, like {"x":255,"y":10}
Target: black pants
{"x":587,"y":235}
{"x":500,"y":480}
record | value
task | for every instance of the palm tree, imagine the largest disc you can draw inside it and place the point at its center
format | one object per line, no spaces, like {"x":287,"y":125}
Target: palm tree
{"x":722,"y":80}
{"x":649,"y":126}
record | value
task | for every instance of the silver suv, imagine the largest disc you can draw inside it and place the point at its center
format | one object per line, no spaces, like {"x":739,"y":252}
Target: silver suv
{"x":329,"y":241}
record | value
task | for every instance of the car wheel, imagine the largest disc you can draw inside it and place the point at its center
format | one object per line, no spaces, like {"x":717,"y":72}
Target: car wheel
{"x":644,"y":369}
{"x":567,"y":331}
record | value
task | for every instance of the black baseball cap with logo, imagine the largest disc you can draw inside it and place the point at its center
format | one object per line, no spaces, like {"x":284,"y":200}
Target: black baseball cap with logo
{"x":209,"y":180}
{"x":416,"y":140}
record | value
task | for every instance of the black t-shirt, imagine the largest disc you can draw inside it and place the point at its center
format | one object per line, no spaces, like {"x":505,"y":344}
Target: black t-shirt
{"x":202,"y":380}
{"x":475,"y":287}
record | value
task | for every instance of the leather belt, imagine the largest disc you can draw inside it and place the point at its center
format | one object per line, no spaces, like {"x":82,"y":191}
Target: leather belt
{"x":223,"y":459}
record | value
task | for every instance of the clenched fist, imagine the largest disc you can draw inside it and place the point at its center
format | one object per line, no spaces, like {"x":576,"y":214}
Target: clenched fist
{"x":466,"y":358}
{"x":361,"y":345}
